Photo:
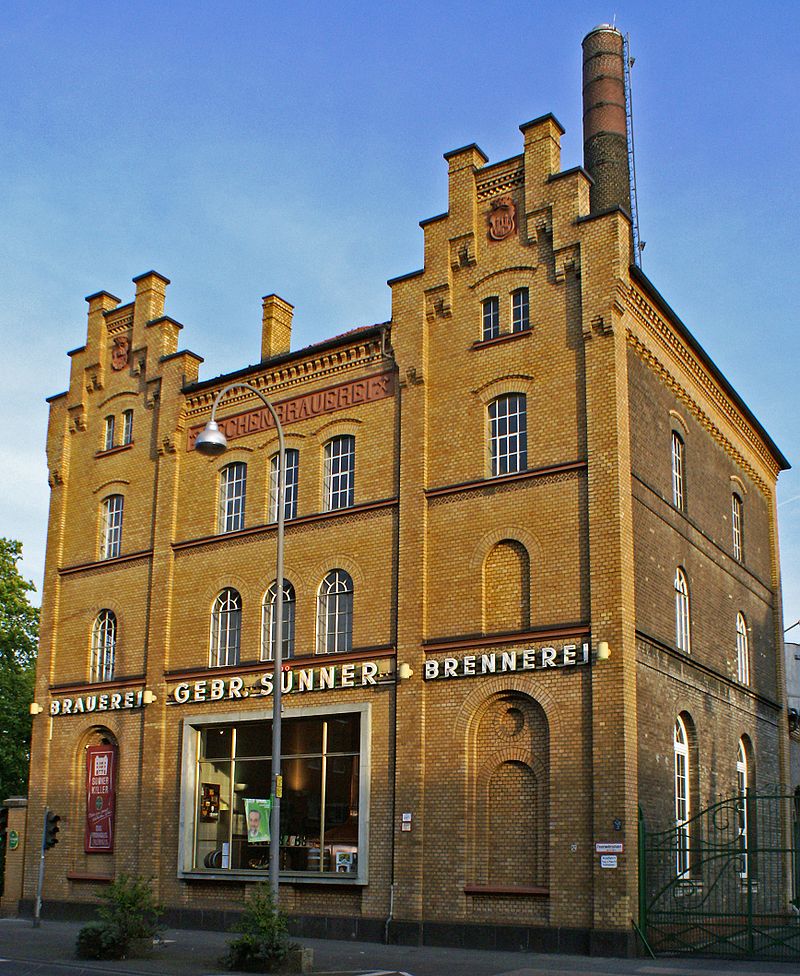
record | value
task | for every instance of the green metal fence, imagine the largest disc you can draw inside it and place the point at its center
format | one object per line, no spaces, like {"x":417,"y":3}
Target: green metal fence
{"x":738,"y":891}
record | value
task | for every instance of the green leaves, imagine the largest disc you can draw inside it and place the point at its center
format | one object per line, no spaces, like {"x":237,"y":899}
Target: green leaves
{"x":19,"y":633}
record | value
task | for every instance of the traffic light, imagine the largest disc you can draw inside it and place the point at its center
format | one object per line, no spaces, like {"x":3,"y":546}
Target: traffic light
{"x":51,"y":830}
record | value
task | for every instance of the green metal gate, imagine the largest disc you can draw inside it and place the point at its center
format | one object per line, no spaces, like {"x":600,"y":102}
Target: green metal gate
{"x":726,"y":883}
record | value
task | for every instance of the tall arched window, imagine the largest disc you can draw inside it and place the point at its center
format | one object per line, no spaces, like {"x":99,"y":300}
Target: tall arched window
{"x":269,"y":623}
{"x":340,"y":469}
{"x":111,"y":527}
{"x":683,"y":636}
{"x":508,"y":434}
{"x":742,"y":650}
{"x":335,"y":613}
{"x":232,"y":491}
{"x":678,"y":497}
{"x":289,"y":485}
{"x":682,"y":797}
{"x":742,"y":786}
{"x":104,"y":644}
{"x":737,"y":527}
{"x":226,"y":629}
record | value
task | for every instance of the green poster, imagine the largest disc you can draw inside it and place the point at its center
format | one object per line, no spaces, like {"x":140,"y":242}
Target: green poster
{"x":257,"y":812}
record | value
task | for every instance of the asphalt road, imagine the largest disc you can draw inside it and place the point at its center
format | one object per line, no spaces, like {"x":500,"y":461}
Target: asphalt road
{"x":49,"y":951}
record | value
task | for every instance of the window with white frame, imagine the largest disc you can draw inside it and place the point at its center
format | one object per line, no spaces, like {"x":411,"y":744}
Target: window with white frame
{"x":508,"y":434}
{"x":682,"y":798}
{"x":232,"y":492}
{"x":226,"y":629}
{"x":111,"y":527}
{"x":104,"y":644}
{"x":742,"y":786}
{"x":127,"y":426}
{"x":340,"y":469}
{"x":683,"y":628}
{"x":491,"y":317}
{"x":742,"y":650}
{"x":289,"y":484}
{"x":269,"y":622}
{"x":335,"y":613}
{"x":108,"y":433}
{"x":678,"y":493}
{"x":737,"y":527}
{"x":520,"y":310}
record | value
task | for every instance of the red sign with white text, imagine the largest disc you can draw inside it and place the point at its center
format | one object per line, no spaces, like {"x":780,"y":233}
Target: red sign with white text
{"x":101,"y":785}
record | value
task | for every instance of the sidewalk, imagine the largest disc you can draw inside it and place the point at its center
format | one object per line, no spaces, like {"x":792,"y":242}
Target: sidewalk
{"x":190,"y":952}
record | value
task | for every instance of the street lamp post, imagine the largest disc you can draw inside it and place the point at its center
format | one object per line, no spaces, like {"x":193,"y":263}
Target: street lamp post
{"x":212,"y":442}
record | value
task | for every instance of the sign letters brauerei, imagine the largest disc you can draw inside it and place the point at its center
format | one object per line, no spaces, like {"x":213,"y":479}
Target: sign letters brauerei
{"x":101,"y":785}
{"x":303,"y":407}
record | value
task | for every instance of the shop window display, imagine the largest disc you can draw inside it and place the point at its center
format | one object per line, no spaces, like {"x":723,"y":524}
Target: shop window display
{"x":320,"y":804}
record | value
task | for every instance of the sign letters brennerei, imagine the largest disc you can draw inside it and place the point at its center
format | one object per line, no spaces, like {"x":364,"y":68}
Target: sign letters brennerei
{"x":101,"y":776}
{"x":501,"y":662}
{"x":303,"y":407}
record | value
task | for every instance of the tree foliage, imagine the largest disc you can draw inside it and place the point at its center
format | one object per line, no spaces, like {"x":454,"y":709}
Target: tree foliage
{"x":19,"y":631}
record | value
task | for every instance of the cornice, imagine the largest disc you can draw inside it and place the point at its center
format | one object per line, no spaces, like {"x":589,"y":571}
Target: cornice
{"x":665,"y":337}
{"x":356,"y":513}
{"x":287,"y":376}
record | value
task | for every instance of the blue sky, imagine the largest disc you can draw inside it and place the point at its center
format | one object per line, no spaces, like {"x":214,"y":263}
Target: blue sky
{"x":245,"y":148}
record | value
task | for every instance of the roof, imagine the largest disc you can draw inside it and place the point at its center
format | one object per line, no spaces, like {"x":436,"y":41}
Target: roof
{"x":363,"y":332}
{"x":641,"y":279}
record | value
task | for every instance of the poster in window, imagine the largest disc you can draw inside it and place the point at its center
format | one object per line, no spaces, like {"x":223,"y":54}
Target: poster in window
{"x":101,"y":786}
{"x":257,"y":812}
{"x":209,"y":802}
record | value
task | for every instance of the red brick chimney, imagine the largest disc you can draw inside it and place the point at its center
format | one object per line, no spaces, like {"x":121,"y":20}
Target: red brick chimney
{"x":605,"y":137}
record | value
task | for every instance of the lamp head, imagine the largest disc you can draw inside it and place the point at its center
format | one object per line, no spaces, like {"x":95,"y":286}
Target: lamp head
{"x":603,"y":651}
{"x":211,"y":441}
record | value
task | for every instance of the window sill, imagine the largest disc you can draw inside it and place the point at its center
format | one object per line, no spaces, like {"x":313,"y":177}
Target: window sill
{"x":87,"y":876}
{"x":293,"y":878}
{"x":522,"y":890}
{"x":114,"y":450}
{"x":499,"y":340}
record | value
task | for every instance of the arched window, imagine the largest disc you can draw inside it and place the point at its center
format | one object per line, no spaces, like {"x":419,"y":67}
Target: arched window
{"x":111,"y":527}
{"x":508,"y":434}
{"x":520,"y":310}
{"x":104,"y":643}
{"x":682,"y":797}
{"x":678,"y":497}
{"x":108,"y":433}
{"x":226,"y":629}
{"x":737,"y":527}
{"x":269,"y":623}
{"x":742,"y":650}
{"x":683,"y":636}
{"x":742,"y":786}
{"x":232,"y":491}
{"x":127,"y":426}
{"x":491,"y":318}
{"x":335,"y":613}
{"x":340,"y":469}
{"x":289,"y":485}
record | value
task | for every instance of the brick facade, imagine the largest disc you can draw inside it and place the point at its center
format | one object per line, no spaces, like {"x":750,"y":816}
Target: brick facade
{"x":474,"y":580}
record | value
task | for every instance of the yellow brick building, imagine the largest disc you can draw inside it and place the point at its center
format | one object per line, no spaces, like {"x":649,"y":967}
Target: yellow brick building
{"x":524,"y":518}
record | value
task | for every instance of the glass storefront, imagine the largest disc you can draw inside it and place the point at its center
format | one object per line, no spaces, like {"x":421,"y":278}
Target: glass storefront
{"x":319,"y":832}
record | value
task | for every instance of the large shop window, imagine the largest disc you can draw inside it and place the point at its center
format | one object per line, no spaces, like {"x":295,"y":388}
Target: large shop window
{"x":228,"y":767}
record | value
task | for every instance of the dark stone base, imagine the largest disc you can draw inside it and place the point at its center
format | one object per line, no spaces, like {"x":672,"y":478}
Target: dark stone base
{"x":510,"y":938}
